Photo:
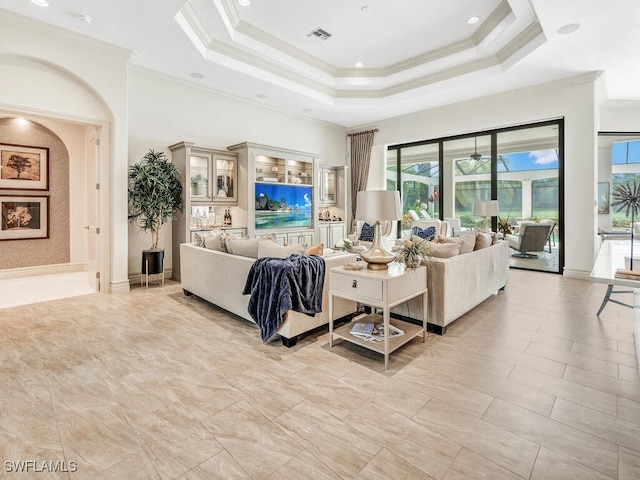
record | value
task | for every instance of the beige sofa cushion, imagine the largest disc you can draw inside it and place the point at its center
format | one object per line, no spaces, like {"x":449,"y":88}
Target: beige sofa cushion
{"x":466,"y":242}
{"x":483,"y":240}
{"x":444,"y":250}
{"x":245,"y":247}
{"x":212,"y":241}
{"x":268,"y":248}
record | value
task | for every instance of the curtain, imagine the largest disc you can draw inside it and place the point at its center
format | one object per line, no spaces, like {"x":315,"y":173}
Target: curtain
{"x":361,"y":144}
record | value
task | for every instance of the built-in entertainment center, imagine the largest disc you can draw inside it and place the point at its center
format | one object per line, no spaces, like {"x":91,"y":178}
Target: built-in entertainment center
{"x":264,"y":189}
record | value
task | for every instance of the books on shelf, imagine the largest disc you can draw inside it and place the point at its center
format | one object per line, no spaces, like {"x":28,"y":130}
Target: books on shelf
{"x":374,"y":332}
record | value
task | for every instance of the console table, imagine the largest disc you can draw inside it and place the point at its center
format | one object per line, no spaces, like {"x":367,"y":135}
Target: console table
{"x":609,"y":259}
{"x":381,"y":289}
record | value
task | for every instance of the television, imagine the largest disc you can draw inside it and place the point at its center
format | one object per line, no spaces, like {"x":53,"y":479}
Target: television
{"x":283,"y":205}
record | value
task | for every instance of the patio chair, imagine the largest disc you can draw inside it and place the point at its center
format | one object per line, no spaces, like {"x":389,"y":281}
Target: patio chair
{"x":414,"y":215}
{"x":552,"y":232}
{"x":425,"y":214}
{"x":532,"y":237}
{"x":456,"y":227}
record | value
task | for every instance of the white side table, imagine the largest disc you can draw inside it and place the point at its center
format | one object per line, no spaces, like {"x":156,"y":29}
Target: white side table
{"x":382,"y":289}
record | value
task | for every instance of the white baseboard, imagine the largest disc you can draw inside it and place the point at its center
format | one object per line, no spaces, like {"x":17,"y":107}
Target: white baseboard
{"x":577,"y":274}
{"x":122,"y":286}
{"x":42,"y":270}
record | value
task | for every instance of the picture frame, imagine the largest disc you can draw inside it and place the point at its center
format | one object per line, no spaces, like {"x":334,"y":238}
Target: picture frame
{"x":24,"y":217}
{"x":604,"y":196}
{"x":23,"y":167}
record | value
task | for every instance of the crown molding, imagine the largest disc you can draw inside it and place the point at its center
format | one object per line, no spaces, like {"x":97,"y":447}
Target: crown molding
{"x":308,"y":75}
{"x":37,"y":27}
{"x":186,"y":84}
{"x":617,"y":103}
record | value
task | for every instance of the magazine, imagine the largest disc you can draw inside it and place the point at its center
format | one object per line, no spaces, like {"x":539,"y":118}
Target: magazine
{"x":374,"y":332}
{"x":362,"y":329}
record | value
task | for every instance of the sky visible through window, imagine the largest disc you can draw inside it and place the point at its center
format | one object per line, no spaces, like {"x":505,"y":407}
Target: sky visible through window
{"x":625,"y":152}
{"x":537,"y":160}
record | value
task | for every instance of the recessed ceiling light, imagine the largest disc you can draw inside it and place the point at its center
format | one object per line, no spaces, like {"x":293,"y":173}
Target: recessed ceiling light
{"x":244,"y":3}
{"x":567,"y":29}
{"x":84,"y":17}
{"x":262,"y":95}
{"x":197,"y":75}
{"x":40,"y":3}
{"x":472,"y":20}
{"x":359,"y":65}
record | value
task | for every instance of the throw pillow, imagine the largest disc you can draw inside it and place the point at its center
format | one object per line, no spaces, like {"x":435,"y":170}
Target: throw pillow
{"x":468,"y":242}
{"x":224,"y":237}
{"x":315,"y":250}
{"x":443,"y":239}
{"x":428,"y":233}
{"x":483,"y":240}
{"x":213,"y":241}
{"x":366,"y":233}
{"x":268,"y":248}
{"x":444,"y":250}
{"x":198,"y":239}
{"x":245,"y":247}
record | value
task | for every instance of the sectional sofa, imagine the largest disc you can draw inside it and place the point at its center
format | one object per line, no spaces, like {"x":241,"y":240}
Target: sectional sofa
{"x":219,"y":277}
{"x":458,"y":282}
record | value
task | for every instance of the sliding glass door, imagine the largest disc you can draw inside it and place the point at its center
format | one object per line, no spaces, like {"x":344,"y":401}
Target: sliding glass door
{"x":417,"y":170}
{"x":528,"y":183}
{"x":520,"y":167}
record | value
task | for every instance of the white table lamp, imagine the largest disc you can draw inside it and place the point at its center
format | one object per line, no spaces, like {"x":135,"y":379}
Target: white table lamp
{"x":486,"y":209}
{"x":375,"y":206}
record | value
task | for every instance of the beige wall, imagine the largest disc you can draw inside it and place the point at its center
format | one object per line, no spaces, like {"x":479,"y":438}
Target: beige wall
{"x":55,"y":249}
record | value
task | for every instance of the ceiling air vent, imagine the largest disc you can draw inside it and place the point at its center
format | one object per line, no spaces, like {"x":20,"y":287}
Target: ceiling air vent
{"x":320,"y":33}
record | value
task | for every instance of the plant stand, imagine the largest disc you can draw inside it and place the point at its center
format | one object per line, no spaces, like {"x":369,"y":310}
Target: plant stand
{"x":152,"y":264}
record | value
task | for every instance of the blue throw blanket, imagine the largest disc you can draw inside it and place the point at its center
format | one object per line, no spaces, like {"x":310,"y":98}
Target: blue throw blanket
{"x":280,"y":284}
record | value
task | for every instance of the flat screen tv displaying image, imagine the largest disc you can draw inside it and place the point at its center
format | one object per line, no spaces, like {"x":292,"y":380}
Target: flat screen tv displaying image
{"x":280,"y":206}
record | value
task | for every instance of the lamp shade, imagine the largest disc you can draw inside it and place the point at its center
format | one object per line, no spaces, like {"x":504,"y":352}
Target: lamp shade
{"x":486,"y":208}
{"x":374,"y":205}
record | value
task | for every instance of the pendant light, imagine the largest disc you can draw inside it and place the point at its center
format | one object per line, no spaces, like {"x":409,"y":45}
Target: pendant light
{"x":475,"y":156}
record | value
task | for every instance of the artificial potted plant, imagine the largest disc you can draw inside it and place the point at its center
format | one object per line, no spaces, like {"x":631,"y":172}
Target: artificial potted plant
{"x":412,"y":252}
{"x":155,"y":194}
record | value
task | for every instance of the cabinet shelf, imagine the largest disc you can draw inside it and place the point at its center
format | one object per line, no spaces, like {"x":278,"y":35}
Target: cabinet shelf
{"x":281,"y":170}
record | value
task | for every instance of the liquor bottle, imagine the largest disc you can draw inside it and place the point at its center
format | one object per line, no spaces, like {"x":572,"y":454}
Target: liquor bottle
{"x":229,"y":217}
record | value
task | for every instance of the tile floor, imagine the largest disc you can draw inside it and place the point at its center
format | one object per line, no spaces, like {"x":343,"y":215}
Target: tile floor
{"x":42,"y":288}
{"x":153,"y":384}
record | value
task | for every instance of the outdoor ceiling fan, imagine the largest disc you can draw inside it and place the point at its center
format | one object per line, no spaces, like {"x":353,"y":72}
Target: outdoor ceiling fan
{"x":475,"y":155}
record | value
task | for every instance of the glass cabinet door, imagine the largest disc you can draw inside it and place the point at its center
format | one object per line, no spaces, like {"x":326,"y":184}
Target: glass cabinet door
{"x":328,"y":185}
{"x":199,"y":176}
{"x":225,"y":178}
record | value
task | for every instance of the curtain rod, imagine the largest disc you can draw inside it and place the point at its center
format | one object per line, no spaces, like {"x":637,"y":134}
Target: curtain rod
{"x":362,"y":133}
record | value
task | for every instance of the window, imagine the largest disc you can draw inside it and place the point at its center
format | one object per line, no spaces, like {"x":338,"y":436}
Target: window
{"x":520,"y":167}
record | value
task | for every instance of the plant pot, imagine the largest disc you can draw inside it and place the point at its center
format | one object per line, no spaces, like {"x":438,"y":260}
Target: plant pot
{"x":155,"y":260}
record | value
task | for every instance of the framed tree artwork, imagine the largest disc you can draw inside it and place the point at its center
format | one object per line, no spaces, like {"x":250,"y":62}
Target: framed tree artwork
{"x":23,"y":167}
{"x":24,"y":217}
